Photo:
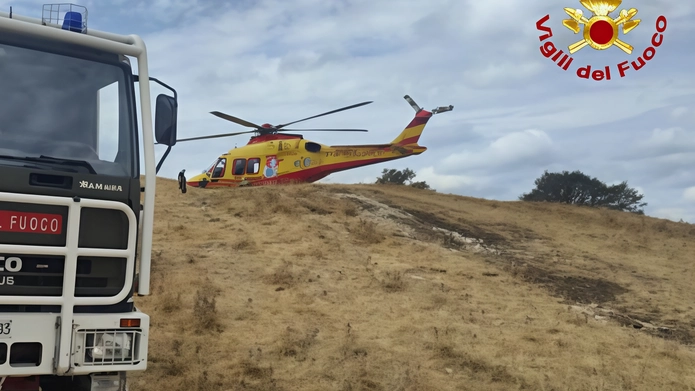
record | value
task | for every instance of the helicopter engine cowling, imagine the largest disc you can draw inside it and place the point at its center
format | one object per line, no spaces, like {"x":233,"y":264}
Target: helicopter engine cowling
{"x":312,"y":147}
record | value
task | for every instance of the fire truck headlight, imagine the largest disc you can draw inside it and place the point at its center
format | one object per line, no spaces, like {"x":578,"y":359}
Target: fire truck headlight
{"x":112,"y":346}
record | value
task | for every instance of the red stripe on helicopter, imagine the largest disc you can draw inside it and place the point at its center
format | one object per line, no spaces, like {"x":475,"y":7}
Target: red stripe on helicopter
{"x":409,"y":140}
{"x":419,"y":119}
{"x":316,"y":173}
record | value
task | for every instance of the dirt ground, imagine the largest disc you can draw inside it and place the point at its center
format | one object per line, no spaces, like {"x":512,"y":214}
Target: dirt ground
{"x":378,"y":287}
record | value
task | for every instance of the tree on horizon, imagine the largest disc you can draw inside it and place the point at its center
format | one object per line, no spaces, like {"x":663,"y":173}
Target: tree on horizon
{"x":577,"y":188}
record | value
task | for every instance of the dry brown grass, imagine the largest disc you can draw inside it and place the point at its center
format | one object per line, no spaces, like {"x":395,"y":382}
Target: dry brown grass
{"x":304,"y":288}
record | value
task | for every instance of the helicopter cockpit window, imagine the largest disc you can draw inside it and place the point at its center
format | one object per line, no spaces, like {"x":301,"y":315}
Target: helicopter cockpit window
{"x":219,"y":168}
{"x":239,"y":166}
{"x":253,"y":166}
{"x":211,"y":168}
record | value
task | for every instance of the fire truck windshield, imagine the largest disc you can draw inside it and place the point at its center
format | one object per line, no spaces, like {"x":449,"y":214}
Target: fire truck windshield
{"x":67,"y":107}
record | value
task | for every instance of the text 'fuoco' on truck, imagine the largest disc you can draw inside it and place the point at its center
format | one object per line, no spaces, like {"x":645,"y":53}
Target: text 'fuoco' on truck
{"x":71,"y":212}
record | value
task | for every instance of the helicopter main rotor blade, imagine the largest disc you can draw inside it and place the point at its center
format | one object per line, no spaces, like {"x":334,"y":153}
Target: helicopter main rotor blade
{"x":323,"y":130}
{"x":326,"y":113}
{"x":214,"y":136}
{"x":235,"y":119}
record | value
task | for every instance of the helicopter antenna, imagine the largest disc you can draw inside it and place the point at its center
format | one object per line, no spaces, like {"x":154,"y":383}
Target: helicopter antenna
{"x":412,"y":103}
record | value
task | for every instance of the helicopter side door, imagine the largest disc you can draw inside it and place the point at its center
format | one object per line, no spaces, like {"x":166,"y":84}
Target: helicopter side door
{"x":238,"y":168}
{"x":253,"y":168}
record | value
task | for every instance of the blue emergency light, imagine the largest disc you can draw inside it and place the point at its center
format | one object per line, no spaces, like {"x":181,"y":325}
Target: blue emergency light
{"x":73,"y":21}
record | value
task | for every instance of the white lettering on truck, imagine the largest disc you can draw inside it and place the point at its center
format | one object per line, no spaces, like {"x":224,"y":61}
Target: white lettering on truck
{"x":10,"y":264}
{"x":99,"y":186}
{"x":42,"y":224}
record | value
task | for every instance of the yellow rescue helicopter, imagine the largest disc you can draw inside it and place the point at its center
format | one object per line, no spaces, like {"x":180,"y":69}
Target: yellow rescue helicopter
{"x":272,"y":157}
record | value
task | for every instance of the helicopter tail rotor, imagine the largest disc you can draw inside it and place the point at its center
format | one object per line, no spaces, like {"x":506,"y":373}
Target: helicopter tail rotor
{"x":442,"y":109}
{"x":412,"y":103}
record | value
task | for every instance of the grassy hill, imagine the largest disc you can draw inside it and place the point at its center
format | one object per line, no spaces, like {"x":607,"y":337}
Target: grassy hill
{"x":377,"y":287}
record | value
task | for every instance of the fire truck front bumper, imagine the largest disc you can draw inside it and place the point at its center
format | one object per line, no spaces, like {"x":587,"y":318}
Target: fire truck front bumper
{"x":29,"y":343}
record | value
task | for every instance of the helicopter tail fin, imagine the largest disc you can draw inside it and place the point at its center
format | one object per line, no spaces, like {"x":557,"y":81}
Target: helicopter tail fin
{"x":411,"y":133}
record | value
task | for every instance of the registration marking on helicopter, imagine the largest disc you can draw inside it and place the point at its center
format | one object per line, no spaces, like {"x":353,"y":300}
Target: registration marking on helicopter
{"x":354,"y":152}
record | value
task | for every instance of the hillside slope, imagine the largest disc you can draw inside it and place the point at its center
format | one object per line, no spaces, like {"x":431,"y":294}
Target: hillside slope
{"x":366,"y":287}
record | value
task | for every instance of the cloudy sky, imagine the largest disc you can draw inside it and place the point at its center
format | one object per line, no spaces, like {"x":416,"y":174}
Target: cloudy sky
{"x":515,"y":114}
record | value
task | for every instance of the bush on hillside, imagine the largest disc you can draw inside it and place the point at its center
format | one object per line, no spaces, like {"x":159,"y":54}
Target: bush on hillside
{"x":579,"y":189}
{"x":397,"y":177}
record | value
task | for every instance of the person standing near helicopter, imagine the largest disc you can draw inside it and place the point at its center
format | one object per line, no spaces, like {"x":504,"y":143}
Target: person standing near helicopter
{"x":182,"y":181}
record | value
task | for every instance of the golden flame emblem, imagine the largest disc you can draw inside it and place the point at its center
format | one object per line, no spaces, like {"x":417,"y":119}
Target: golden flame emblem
{"x":601,"y":31}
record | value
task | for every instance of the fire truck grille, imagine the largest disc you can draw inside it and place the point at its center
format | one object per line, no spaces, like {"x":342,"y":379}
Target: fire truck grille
{"x":43,"y":276}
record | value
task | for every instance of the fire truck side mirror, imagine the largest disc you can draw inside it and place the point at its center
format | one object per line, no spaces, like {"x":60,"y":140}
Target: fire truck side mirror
{"x":165,"y":120}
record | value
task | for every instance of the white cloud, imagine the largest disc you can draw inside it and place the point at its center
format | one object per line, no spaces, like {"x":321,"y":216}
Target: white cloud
{"x":689,"y":194}
{"x":482,"y":18}
{"x":668,"y":137}
{"x":666,"y":143}
{"x":502,"y":74}
{"x":679,"y":111}
{"x":444,"y":182}
{"x":511,"y":149}
{"x":561,"y":110}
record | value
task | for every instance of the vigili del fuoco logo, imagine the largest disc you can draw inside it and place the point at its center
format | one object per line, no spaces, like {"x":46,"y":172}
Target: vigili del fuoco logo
{"x":600,"y":32}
